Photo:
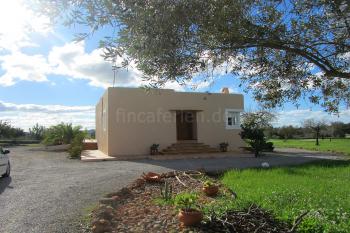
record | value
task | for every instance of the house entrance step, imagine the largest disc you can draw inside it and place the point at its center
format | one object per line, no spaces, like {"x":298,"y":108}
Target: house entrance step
{"x":189,"y":148}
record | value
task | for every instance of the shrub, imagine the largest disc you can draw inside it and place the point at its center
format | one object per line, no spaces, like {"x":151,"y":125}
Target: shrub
{"x":253,"y":126}
{"x":186,"y":201}
{"x":77,"y":145}
{"x":269,"y":147}
{"x":61,"y":134}
{"x":66,"y":134}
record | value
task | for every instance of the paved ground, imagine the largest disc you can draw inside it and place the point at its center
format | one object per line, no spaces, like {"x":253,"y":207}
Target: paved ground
{"x":48,"y":193}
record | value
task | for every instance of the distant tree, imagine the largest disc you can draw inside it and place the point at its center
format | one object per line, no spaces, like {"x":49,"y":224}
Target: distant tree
{"x":4,"y":129}
{"x":287,"y":132}
{"x":338,"y":129}
{"x":8,"y":131}
{"x":282,"y":50}
{"x":17,"y":132}
{"x":37,"y":132}
{"x":270,"y":132}
{"x":316,"y":127}
{"x":253,"y":126}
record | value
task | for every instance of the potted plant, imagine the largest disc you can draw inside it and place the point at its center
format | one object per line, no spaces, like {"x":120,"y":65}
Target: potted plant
{"x":154,"y":149}
{"x":223,"y":146}
{"x":210,"y":189}
{"x":189,"y":215}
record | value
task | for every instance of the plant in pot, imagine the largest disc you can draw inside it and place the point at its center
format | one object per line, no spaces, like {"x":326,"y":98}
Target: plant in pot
{"x":189,"y":215}
{"x":154,"y":149}
{"x":210,"y":189}
{"x":223,"y":146}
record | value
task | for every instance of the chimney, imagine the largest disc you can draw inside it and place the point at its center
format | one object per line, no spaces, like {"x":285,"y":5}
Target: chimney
{"x":225,"y":90}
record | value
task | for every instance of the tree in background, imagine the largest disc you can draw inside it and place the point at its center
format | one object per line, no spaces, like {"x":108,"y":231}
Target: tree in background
{"x":282,"y":50}
{"x":316,"y":127}
{"x":4,"y":129}
{"x":338,"y":129}
{"x":37,"y":132}
{"x":66,"y":134}
{"x":7,"y":131}
{"x":61,"y":134}
{"x":253,"y":126}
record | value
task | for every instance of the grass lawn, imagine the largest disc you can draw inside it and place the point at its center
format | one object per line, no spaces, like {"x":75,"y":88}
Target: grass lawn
{"x":322,"y":188}
{"x":336,"y":145}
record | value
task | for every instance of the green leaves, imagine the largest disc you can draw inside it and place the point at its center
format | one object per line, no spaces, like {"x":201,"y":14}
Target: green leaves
{"x":281,"y":50}
{"x":186,"y":200}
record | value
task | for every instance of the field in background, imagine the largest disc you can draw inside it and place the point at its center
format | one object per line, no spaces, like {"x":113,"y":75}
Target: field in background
{"x":322,"y":189}
{"x":336,"y":145}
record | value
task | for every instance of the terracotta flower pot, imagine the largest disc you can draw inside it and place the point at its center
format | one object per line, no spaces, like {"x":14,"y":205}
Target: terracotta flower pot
{"x":190,"y":217}
{"x":152,"y":177}
{"x":211,"y":190}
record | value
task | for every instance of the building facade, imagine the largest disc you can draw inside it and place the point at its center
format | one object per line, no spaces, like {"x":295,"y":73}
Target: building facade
{"x":130,"y":120}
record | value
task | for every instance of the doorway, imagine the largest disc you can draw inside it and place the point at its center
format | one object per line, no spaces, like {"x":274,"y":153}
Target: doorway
{"x":186,"y":125}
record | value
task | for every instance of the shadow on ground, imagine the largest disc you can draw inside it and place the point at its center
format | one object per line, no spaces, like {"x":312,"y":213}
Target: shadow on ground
{"x":5,"y":183}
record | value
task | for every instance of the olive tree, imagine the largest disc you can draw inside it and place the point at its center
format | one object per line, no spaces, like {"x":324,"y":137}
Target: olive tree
{"x":282,"y":50}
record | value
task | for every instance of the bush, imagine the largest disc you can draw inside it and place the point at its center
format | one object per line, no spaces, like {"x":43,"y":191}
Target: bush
{"x":268,"y":147}
{"x":253,"y":127}
{"x":77,"y":145}
{"x":66,"y":134}
{"x":61,"y":134}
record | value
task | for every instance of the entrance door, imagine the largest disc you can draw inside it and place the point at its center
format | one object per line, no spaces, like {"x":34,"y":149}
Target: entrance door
{"x":186,"y":125}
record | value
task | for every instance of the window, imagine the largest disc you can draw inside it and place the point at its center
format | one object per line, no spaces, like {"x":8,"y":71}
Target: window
{"x":233,"y":118}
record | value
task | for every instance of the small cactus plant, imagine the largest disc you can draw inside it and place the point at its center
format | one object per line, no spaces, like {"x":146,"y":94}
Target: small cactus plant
{"x":166,"y":191}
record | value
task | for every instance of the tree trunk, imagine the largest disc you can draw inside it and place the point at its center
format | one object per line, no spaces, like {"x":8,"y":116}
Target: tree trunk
{"x":256,"y":153}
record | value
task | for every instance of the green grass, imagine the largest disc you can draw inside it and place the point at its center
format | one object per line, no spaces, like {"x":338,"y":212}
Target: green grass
{"x":321,"y":188}
{"x":336,"y":145}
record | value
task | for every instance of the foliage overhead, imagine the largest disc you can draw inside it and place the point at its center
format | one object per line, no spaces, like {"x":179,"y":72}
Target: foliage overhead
{"x":282,"y":50}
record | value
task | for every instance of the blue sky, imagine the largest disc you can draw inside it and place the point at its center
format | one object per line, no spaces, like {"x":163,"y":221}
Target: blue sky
{"x":47,"y":78}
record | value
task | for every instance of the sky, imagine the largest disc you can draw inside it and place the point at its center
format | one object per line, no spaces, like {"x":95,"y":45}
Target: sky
{"x":47,"y":78}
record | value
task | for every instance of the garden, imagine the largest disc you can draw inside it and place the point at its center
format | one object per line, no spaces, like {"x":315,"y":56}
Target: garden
{"x":308,"y":198}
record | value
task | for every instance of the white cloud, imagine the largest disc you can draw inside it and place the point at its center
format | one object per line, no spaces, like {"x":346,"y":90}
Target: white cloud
{"x":17,"y":23}
{"x":19,"y":66}
{"x":296,"y":117}
{"x":26,"y":115}
{"x":73,"y":62}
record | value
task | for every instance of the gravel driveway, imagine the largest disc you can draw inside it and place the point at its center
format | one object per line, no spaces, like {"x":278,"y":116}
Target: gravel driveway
{"x":48,"y":193}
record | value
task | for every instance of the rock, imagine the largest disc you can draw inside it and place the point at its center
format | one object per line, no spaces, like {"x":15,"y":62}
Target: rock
{"x":106,"y":212}
{"x":101,"y":226}
{"x":107,"y":201}
{"x":137,"y":183}
{"x":169,"y":174}
{"x":124,"y":192}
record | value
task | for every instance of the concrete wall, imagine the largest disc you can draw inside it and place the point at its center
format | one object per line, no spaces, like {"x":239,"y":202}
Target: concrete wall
{"x":102,"y":123}
{"x":137,"y":119}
